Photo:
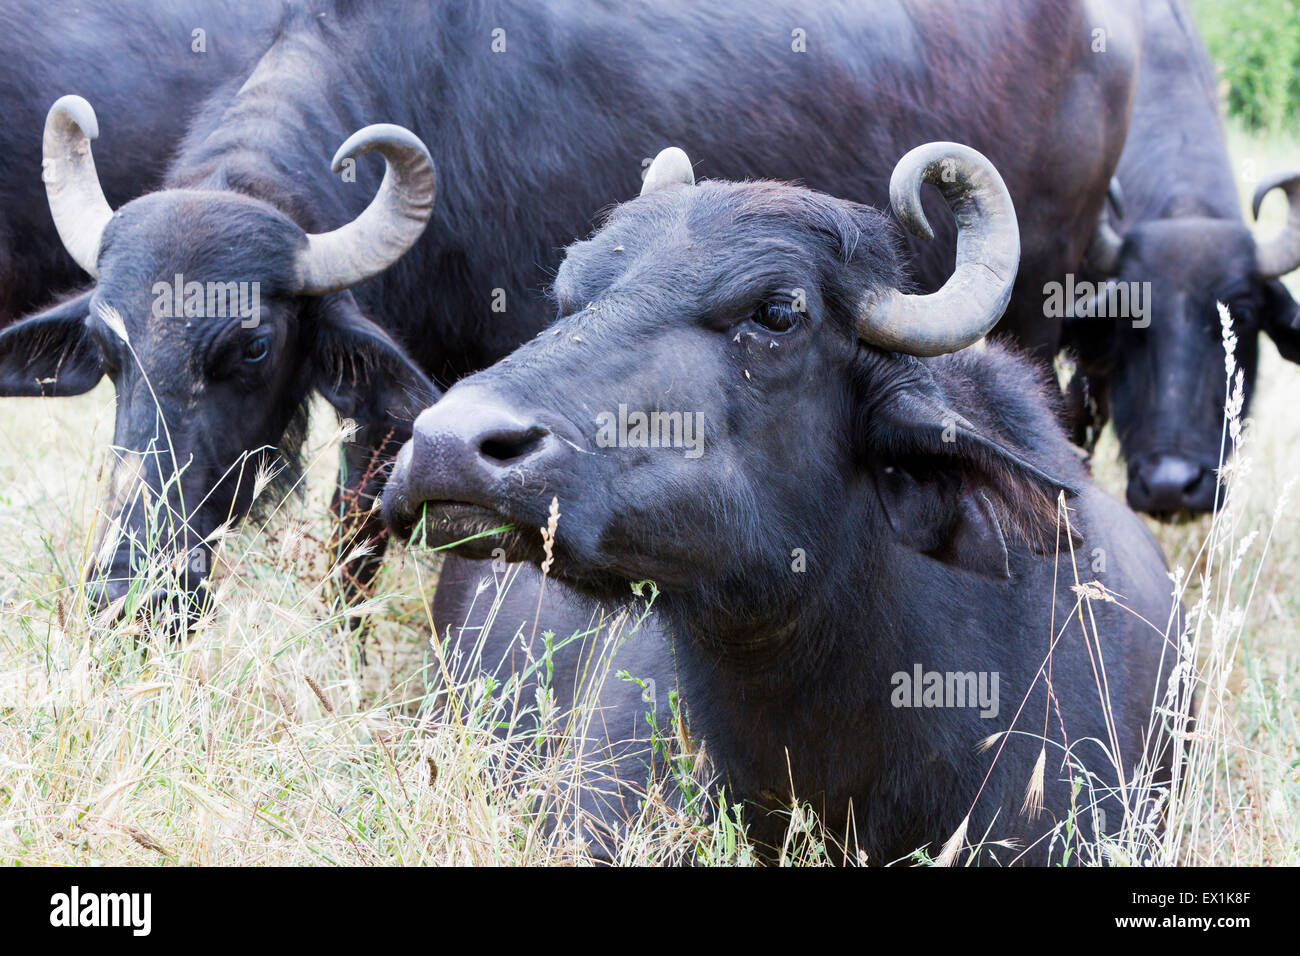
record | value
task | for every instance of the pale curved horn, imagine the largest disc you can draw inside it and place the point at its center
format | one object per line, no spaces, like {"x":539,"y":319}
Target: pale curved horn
{"x":672,"y":167}
{"x":388,"y":227}
{"x":988,"y":254}
{"x":77,"y":202}
{"x":1281,"y":254}
{"x":1104,"y":249}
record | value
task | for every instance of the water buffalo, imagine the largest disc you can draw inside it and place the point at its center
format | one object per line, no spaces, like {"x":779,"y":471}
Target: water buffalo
{"x":513,"y":100}
{"x":866,"y":541}
{"x":145,"y":65}
{"x":1160,"y":372}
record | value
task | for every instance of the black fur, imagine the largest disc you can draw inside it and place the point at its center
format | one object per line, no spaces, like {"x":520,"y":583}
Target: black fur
{"x":919,"y":548}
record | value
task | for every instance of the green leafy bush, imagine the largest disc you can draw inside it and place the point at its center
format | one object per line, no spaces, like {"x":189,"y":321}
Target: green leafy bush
{"x":1256,"y":46}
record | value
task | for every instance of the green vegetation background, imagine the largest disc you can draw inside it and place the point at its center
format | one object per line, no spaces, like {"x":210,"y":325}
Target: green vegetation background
{"x":1256,"y":46}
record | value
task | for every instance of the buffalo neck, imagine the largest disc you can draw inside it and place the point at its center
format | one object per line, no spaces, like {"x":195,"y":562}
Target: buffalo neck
{"x":764,"y":671}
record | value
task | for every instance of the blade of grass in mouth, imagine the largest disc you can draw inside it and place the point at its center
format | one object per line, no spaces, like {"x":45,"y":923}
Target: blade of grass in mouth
{"x":419,"y":532}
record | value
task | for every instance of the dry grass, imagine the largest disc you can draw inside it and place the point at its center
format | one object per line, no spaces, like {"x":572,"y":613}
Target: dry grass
{"x":264,"y":740}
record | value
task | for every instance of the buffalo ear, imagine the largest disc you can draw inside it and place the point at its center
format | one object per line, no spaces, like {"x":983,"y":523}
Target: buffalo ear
{"x":955,"y":495}
{"x":1281,"y":319}
{"x":362,"y":372}
{"x":51,"y":353}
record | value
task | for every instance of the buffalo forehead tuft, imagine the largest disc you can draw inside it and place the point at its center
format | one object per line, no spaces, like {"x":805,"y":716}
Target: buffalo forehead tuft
{"x":717,"y":233}
{"x":202,"y":236}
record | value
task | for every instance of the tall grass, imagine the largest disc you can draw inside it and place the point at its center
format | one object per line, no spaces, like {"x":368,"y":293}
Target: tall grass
{"x":1210,"y":813}
{"x":262,"y":738}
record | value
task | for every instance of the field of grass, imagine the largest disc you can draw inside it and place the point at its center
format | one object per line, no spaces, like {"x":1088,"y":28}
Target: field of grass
{"x":264,"y":739}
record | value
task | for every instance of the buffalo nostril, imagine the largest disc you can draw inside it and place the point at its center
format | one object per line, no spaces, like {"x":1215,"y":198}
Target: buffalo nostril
{"x":505,"y":447}
{"x":1199,"y":493}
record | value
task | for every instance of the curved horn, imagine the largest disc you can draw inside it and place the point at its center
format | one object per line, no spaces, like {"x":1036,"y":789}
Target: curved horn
{"x":386,"y":228}
{"x":77,"y":202}
{"x":1281,"y":254}
{"x":988,"y":253}
{"x":1104,"y":249}
{"x":671,"y":167}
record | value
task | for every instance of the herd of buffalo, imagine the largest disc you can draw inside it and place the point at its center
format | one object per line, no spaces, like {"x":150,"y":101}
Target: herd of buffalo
{"x":880,"y":498}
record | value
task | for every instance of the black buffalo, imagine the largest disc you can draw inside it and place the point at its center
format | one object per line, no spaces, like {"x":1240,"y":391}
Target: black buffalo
{"x":145,"y":65}
{"x":856,"y":520}
{"x":1160,"y":373}
{"x":535,"y":118}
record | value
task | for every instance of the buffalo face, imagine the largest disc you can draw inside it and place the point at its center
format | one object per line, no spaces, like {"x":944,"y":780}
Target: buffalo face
{"x":671,"y":321}
{"x":215,"y":316}
{"x":1164,"y":369}
{"x":1168,"y":387}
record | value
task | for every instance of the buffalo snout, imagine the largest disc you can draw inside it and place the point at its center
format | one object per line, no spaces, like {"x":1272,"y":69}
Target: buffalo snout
{"x":468,"y":450}
{"x":1168,"y":484}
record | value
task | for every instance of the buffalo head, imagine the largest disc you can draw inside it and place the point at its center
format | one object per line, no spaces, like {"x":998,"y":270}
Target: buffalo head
{"x":215,"y":316}
{"x":1165,"y":372}
{"x":734,"y":373}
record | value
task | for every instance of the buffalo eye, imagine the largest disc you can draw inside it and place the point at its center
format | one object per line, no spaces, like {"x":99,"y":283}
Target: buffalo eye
{"x":257,"y":349}
{"x":774,"y":316}
{"x":1241,"y":306}
{"x":1239,"y":297}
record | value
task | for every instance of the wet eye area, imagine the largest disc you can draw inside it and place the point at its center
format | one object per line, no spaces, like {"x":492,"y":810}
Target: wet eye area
{"x":777,"y":317}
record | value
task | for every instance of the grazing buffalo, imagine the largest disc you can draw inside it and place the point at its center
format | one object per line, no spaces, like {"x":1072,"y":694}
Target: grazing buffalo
{"x":536,"y":117}
{"x":858,"y":551}
{"x":145,"y":65}
{"x":1179,"y":247}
